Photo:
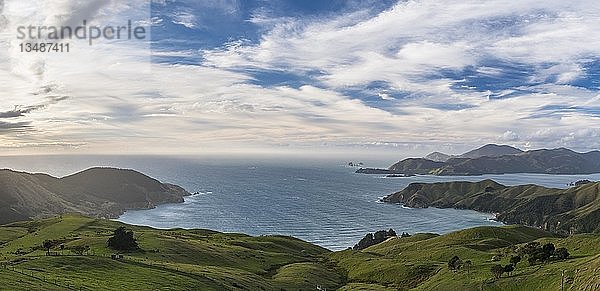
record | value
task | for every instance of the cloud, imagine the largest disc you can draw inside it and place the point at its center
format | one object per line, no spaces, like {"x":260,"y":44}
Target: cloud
{"x":426,"y":72}
{"x":13,"y":126}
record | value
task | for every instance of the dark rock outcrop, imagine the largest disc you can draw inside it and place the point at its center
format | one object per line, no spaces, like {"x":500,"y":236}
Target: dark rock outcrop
{"x":372,"y":239}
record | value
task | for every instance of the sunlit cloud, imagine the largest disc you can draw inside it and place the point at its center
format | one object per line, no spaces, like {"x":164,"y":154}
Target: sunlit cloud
{"x":437,"y":73}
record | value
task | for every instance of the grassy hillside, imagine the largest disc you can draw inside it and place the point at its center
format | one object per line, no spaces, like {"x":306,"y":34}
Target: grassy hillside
{"x":206,"y":260}
{"x":102,"y":192}
{"x":420,"y":262}
{"x":171,"y":259}
{"x":573,"y":210}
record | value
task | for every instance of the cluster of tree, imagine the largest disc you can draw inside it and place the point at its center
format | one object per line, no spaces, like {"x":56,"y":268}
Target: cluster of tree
{"x":123,"y":240}
{"x":456,"y":264}
{"x":538,"y":253}
{"x":497,"y":270}
{"x":373,"y":239}
{"x":81,"y":249}
{"x":49,"y":244}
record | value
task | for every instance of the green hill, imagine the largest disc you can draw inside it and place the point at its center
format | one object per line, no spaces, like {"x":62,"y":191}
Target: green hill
{"x":180,"y":259}
{"x":495,"y":159}
{"x":171,"y":259}
{"x":101,"y":192}
{"x":573,"y":210}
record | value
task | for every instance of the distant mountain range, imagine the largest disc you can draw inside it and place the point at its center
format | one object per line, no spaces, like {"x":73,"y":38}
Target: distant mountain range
{"x":566,"y":211}
{"x":497,"y":159}
{"x":98,"y":192}
{"x":489,"y":150}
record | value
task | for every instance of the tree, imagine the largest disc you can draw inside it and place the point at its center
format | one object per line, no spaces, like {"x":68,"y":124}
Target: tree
{"x":529,"y":248}
{"x":123,"y":240}
{"x":497,"y":270}
{"x":47,"y":245}
{"x":509,"y":268}
{"x":455,"y":263}
{"x":548,"y":249}
{"x":81,"y":250}
{"x":562,"y":253}
{"x":467,"y":265}
{"x":514,"y":260}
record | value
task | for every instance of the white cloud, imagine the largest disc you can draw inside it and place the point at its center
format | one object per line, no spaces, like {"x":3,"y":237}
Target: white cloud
{"x":118,"y":101}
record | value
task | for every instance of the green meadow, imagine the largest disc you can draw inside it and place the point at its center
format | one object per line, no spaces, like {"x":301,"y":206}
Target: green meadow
{"x":179,"y":259}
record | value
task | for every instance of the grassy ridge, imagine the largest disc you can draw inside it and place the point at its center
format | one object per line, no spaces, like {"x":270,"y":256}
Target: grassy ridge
{"x":172,"y":259}
{"x":572,"y":210}
{"x":180,"y":259}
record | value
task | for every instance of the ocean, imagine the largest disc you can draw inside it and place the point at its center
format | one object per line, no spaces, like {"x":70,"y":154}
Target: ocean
{"x":320,"y":201}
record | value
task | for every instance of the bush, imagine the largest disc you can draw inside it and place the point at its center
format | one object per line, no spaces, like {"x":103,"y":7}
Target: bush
{"x":561,"y":253}
{"x":81,"y":250}
{"x":123,"y":240}
{"x":514,"y":260}
{"x":497,"y":271}
{"x":509,"y":268}
{"x":455,"y":263}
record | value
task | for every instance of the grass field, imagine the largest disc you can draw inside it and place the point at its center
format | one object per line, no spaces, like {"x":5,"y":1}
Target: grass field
{"x":180,"y":259}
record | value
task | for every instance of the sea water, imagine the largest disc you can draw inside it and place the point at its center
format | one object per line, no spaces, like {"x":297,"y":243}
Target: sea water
{"x":320,"y":201}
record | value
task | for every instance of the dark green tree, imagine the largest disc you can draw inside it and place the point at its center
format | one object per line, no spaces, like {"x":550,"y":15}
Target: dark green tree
{"x":81,"y":249}
{"x":455,"y":263}
{"x":467,"y":265}
{"x":514,"y":260}
{"x":529,"y":248}
{"x":548,"y":249}
{"x":561,"y":253}
{"x":47,"y":245}
{"x":497,"y":271}
{"x":123,"y":240}
{"x":509,"y":268}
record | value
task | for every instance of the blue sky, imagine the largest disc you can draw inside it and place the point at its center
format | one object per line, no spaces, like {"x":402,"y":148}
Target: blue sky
{"x":403,"y":77}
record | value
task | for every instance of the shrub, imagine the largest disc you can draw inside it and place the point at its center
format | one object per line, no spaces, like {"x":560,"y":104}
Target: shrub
{"x":497,"y":271}
{"x":123,"y":240}
{"x":455,"y":263}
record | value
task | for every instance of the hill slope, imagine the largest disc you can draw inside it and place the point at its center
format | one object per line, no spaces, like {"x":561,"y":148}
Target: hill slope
{"x":420,"y":262}
{"x":169,"y":260}
{"x":491,"y":150}
{"x":572,"y":210}
{"x":488,"y":150}
{"x":97,"y":192}
{"x":196,"y":259}
{"x":494,"y":159}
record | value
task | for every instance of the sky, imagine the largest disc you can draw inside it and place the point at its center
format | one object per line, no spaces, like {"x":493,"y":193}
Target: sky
{"x":318,"y":77}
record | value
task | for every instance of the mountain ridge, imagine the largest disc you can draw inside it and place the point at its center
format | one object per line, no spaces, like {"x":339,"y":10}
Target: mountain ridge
{"x":488,"y":150}
{"x":565,"y":211}
{"x":98,"y":192}
{"x":542,"y":161}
